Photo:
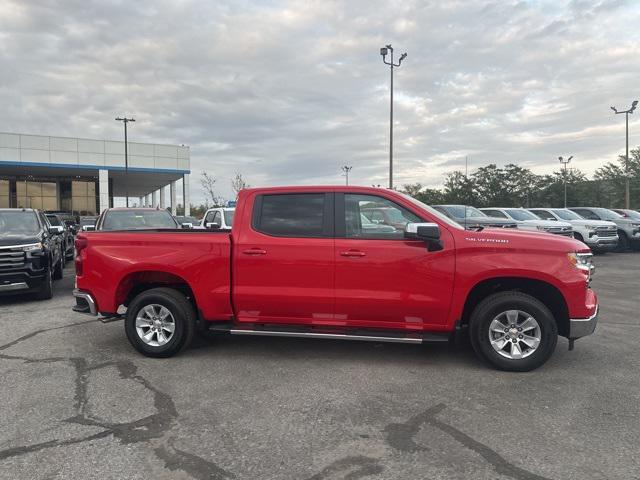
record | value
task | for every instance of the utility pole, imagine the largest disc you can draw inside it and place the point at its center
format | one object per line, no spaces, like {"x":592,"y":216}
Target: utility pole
{"x":126,"y":120}
{"x":384,"y":51}
{"x":626,"y":157}
{"x":565,"y":162}
{"x":346,"y":169}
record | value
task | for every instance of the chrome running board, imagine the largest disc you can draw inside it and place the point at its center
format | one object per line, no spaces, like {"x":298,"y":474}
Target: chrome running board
{"x":419,"y":338}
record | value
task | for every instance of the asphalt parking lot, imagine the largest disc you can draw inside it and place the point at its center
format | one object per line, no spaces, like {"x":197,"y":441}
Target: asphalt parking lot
{"x":78,"y":402}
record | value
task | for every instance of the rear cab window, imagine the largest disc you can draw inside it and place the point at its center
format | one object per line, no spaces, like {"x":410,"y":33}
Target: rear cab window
{"x":306,"y":215}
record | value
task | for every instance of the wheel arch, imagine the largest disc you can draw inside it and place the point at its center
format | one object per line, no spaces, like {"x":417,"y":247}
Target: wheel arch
{"x":134,"y":283}
{"x":539,"y":289}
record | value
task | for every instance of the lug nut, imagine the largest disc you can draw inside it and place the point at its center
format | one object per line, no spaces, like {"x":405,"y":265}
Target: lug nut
{"x":519,"y":329}
{"x":520,"y":336}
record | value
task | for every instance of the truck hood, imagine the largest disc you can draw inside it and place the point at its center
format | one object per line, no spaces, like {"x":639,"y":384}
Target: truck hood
{"x":521,"y":240}
{"x":9,"y":239}
{"x":593,"y":223}
{"x":485,"y":221}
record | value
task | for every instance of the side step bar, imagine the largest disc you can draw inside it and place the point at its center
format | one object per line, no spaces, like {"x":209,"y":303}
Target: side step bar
{"x":399,"y":338}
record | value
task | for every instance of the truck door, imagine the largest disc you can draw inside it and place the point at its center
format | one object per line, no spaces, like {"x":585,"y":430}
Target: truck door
{"x":283,"y":264}
{"x":382,"y":279}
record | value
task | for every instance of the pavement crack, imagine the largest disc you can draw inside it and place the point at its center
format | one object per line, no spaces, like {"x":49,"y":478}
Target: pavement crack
{"x":44,"y":330}
{"x":350,"y":468}
{"x":197,"y":467}
{"x":400,"y":436}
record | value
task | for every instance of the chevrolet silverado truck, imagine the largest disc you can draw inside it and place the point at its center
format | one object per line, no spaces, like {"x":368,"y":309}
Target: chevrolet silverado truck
{"x":298,"y":263}
{"x":31,"y":253}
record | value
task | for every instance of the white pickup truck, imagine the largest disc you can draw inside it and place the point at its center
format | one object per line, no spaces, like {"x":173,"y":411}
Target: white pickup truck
{"x":598,"y":235}
{"x":219,"y":218}
{"x":530,"y":221}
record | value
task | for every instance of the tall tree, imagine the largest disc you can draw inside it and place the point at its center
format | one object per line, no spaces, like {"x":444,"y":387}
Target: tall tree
{"x":459,"y":189}
{"x":208,"y":183}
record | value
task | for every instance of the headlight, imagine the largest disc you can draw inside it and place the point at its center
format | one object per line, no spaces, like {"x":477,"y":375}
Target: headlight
{"x":32,"y":247}
{"x":635,"y":225}
{"x":582,"y":261}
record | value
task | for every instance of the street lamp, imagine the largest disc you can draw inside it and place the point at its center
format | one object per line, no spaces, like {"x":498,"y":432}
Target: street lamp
{"x":384,"y":51}
{"x":126,"y":120}
{"x":346,"y":169}
{"x":626,"y":157}
{"x":565,"y":162}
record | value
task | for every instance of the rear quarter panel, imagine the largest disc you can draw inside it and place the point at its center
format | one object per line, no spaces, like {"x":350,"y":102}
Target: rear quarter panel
{"x":201,"y":259}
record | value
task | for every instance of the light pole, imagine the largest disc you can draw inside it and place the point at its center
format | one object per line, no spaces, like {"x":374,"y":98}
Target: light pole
{"x":626,"y":157}
{"x":126,"y":120}
{"x":384,"y":51}
{"x":565,"y":162}
{"x":346,"y":169}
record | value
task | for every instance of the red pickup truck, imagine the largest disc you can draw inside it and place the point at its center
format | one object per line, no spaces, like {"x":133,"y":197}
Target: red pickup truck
{"x":307,"y":262}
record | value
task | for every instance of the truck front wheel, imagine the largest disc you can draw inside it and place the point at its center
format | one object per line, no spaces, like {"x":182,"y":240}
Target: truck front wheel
{"x":160,"y":322}
{"x":513,"y":331}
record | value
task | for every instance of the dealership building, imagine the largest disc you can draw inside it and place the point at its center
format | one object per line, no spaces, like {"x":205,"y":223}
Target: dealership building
{"x":83,"y":176}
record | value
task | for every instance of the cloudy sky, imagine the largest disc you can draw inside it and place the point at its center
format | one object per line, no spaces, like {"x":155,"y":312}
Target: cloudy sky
{"x":286,"y":92}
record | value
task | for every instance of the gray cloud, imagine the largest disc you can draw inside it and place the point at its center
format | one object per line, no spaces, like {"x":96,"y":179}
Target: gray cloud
{"x":287,"y":92}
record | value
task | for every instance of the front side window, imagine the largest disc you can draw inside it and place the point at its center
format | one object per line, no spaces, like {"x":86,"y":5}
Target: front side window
{"x":494,"y":213}
{"x":586,"y":214}
{"x":54,"y":221}
{"x":372,"y":217}
{"x":228,"y":217}
{"x":291,"y":215}
{"x":565,"y":214}
{"x":521,"y":215}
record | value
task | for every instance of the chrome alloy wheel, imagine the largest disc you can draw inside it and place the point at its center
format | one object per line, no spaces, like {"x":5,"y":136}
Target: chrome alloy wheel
{"x":155,"y":325}
{"x":514,"y":334}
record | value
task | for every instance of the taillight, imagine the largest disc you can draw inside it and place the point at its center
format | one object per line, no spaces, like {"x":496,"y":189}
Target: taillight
{"x":81,"y":244}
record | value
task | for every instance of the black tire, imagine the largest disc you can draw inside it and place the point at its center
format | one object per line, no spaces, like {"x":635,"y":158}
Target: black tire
{"x":623,"y":242}
{"x":46,"y":290}
{"x":184,"y":318}
{"x":498,"y":304}
{"x":58,"y":270}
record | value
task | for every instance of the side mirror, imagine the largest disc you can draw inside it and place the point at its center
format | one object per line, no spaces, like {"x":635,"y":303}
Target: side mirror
{"x":427,"y":232}
{"x":212,"y":225}
{"x":88,"y":228}
{"x":186,"y":225}
{"x":56,"y":230}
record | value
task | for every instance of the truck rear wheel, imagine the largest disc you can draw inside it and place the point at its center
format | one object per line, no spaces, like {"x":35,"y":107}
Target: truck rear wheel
{"x":513,"y":331}
{"x":160,"y":322}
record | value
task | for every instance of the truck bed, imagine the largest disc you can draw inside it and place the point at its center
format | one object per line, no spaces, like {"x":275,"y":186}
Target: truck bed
{"x":113,"y":262}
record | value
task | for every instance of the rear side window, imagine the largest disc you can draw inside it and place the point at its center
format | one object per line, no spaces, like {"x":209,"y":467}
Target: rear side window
{"x":293,"y":215}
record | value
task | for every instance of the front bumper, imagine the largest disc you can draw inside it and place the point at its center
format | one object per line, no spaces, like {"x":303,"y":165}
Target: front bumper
{"x":581,"y":327}
{"x":84,"y":303}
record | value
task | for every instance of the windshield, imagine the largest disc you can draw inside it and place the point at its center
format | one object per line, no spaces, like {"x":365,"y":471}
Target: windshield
{"x":565,"y":214}
{"x":18,"y":222}
{"x":138,"y":220}
{"x":458,"y":211}
{"x":632,"y":214}
{"x":432,"y":211}
{"x":228,"y":217}
{"x":53,"y":220}
{"x":606,"y":214}
{"x":521,"y":215}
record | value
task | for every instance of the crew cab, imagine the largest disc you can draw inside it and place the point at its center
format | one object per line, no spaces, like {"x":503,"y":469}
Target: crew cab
{"x":31,"y":253}
{"x":298,"y":263}
{"x":58,"y":220}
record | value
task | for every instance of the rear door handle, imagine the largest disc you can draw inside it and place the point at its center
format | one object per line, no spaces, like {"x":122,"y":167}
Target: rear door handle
{"x":254,"y":251}
{"x":353,"y":253}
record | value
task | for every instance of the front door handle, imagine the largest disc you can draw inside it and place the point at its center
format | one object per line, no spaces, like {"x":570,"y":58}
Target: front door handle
{"x":255,"y":251}
{"x":353,"y":253}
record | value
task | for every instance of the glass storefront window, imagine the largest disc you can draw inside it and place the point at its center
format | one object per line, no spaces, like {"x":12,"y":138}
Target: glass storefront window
{"x":41,"y":195}
{"x":4,"y":194}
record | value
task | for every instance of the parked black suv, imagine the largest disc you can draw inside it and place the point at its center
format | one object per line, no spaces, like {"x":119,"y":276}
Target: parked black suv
{"x":58,"y":220}
{"x":31,"y":252}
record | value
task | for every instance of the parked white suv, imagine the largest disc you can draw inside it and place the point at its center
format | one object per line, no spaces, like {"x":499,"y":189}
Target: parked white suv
{"x":220,"y":218}
{"x":525,"y":220}
{"x":628,"y":229}
{"x":599,"y":235}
